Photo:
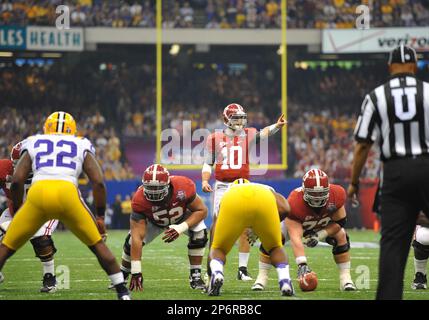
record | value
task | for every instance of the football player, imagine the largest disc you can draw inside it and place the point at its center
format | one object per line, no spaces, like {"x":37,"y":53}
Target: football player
{"x":166,"y":204}
{"x":421,"y":253}
{"x":42,"y":242}
{"x":255,"y":206}
{"x":316,"y":214}
{"x":56,"y":159}
{"x":228,"y":152}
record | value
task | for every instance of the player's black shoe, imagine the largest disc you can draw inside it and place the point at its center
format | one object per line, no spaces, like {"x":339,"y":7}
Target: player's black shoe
{"x":420,"y":282}
{"x":49,"y":283}
{"x":243,"y":274}
{"x":216,"y":282}
{"x":195,"y":280}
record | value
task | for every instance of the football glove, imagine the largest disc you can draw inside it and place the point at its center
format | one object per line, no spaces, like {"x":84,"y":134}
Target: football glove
{"x":251,"y":237}
{"x":174,"y":231}
{"x":303,"y":269}
{"x":136,"y":282}
{"x":312,"y":238}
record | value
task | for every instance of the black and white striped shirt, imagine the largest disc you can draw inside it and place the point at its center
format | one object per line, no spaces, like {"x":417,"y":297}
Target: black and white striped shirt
{"x":396,"y":115}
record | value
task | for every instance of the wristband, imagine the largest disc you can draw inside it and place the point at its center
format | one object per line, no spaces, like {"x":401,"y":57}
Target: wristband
{"x":136,"y":266}
{"x":180,"y":228}
{"x":273,"y":129}
{"x":300,"y":260}
{"x":322,"y":234}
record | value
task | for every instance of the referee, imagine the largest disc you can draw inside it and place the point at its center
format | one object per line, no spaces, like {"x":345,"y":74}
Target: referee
{"x":396,"y":116}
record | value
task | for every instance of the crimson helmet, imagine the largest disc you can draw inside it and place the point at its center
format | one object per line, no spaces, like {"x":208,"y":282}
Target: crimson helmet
{"x":315,"y":185}
{"x":156,"y":181}
{"x":234,"y":116}
{"x":15,"y":153}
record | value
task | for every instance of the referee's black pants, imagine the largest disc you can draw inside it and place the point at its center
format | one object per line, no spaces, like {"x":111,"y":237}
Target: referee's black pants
{"x":404,"y":193}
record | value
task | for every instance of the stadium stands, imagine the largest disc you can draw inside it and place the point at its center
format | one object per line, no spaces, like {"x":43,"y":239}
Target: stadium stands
{"x":217,"y":14}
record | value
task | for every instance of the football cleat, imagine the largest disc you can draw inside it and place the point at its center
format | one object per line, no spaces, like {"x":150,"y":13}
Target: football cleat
{"x":257,"y":286}
{"x":196,"y":283}
{"x":420,"y":282}
{"x":215,"y":284}
{"x":49,"y":283}
{"x":260,"y":283}
{"x":243,"y":274}
{"x":1,"y":277}
{"x":60,"y":123}
{"x":286,"y":287}
{"x":124,"y":297}
{"x":348,"y":286}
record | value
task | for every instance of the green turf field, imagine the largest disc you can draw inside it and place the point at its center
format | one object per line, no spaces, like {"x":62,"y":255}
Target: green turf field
{"x":165,"y":270}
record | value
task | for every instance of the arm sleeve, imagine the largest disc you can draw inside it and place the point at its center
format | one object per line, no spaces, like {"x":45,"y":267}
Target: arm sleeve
{"x":366,"y":129}
{"x":138,"y":216}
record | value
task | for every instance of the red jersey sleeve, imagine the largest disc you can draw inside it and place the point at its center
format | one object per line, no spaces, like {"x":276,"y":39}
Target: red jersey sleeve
{"x":339,"y":195}
{"x":189,"y":188}
{"x":6,"y":169}
{"x":295,"y":204}
{"x":137,"y":202}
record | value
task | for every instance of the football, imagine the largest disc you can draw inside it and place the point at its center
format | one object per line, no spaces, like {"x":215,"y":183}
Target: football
{"x":308,"y":282}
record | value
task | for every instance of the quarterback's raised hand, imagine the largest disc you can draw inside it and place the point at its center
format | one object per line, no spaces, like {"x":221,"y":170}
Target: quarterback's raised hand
{"x":136,"y":283}
{"x":281,"y":121}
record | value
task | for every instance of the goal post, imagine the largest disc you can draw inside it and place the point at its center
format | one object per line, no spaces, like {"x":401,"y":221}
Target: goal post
{"x":159,"y":64}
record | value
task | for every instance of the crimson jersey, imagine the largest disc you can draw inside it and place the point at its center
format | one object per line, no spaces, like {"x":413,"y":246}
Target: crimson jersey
{"x":314,"y":218}
{"x":231,"y":154}
{"x":172,"y":209}
{"x":6,"y":172}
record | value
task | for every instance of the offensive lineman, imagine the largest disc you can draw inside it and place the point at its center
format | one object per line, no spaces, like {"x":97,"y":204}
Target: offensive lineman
{"x":317,"y":213}
{"x":42,"y":242}
{"x":170,"y":204}
{"x":228,"y":151}
{"x":56,"y":159}
{"x":255,"y":206}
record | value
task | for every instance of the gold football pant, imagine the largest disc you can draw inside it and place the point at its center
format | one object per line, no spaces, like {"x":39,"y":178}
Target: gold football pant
{"x":247,"y":206}
{"x":47,"y":200}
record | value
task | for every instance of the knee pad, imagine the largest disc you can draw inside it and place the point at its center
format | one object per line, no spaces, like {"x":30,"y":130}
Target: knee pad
{"x":197,"y":242}
{"x":422,"y":236}
{"x":44,"y":248}
{"x":421,"y":251}
{"x":336,"y":248}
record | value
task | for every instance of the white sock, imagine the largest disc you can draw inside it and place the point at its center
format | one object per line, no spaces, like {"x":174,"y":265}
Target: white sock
{"x":194,"y":266}
{"x":216,"y":266}
{"x":264,"y":268}
{"x":344,"y":269}
{"x":48,"y":267}
{"x":243,"y":259}
{"x":283,"y":271}
{"x":420,"y":265}
{"x":117,"y":278}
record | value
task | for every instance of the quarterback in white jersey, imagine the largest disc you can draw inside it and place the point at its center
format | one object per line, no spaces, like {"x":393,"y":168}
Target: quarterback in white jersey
{"x":57,"y":158}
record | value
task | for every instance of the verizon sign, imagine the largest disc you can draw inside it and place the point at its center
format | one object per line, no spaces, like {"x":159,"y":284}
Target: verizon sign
{"x":374,"y":40}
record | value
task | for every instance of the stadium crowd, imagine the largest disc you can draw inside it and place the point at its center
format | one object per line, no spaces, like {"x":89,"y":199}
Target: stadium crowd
{"x":217,"y":13}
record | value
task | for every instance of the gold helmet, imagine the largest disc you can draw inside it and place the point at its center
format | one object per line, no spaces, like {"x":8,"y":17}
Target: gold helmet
{"x":60,"y":122}
{"x":241,"y":181}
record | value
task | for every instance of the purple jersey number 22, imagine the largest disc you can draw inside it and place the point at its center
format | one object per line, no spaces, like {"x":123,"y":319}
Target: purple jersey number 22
{"x":62,"y":156}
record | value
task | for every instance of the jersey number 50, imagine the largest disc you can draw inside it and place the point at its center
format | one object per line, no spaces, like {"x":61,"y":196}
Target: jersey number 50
{"x":43,"y":158}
